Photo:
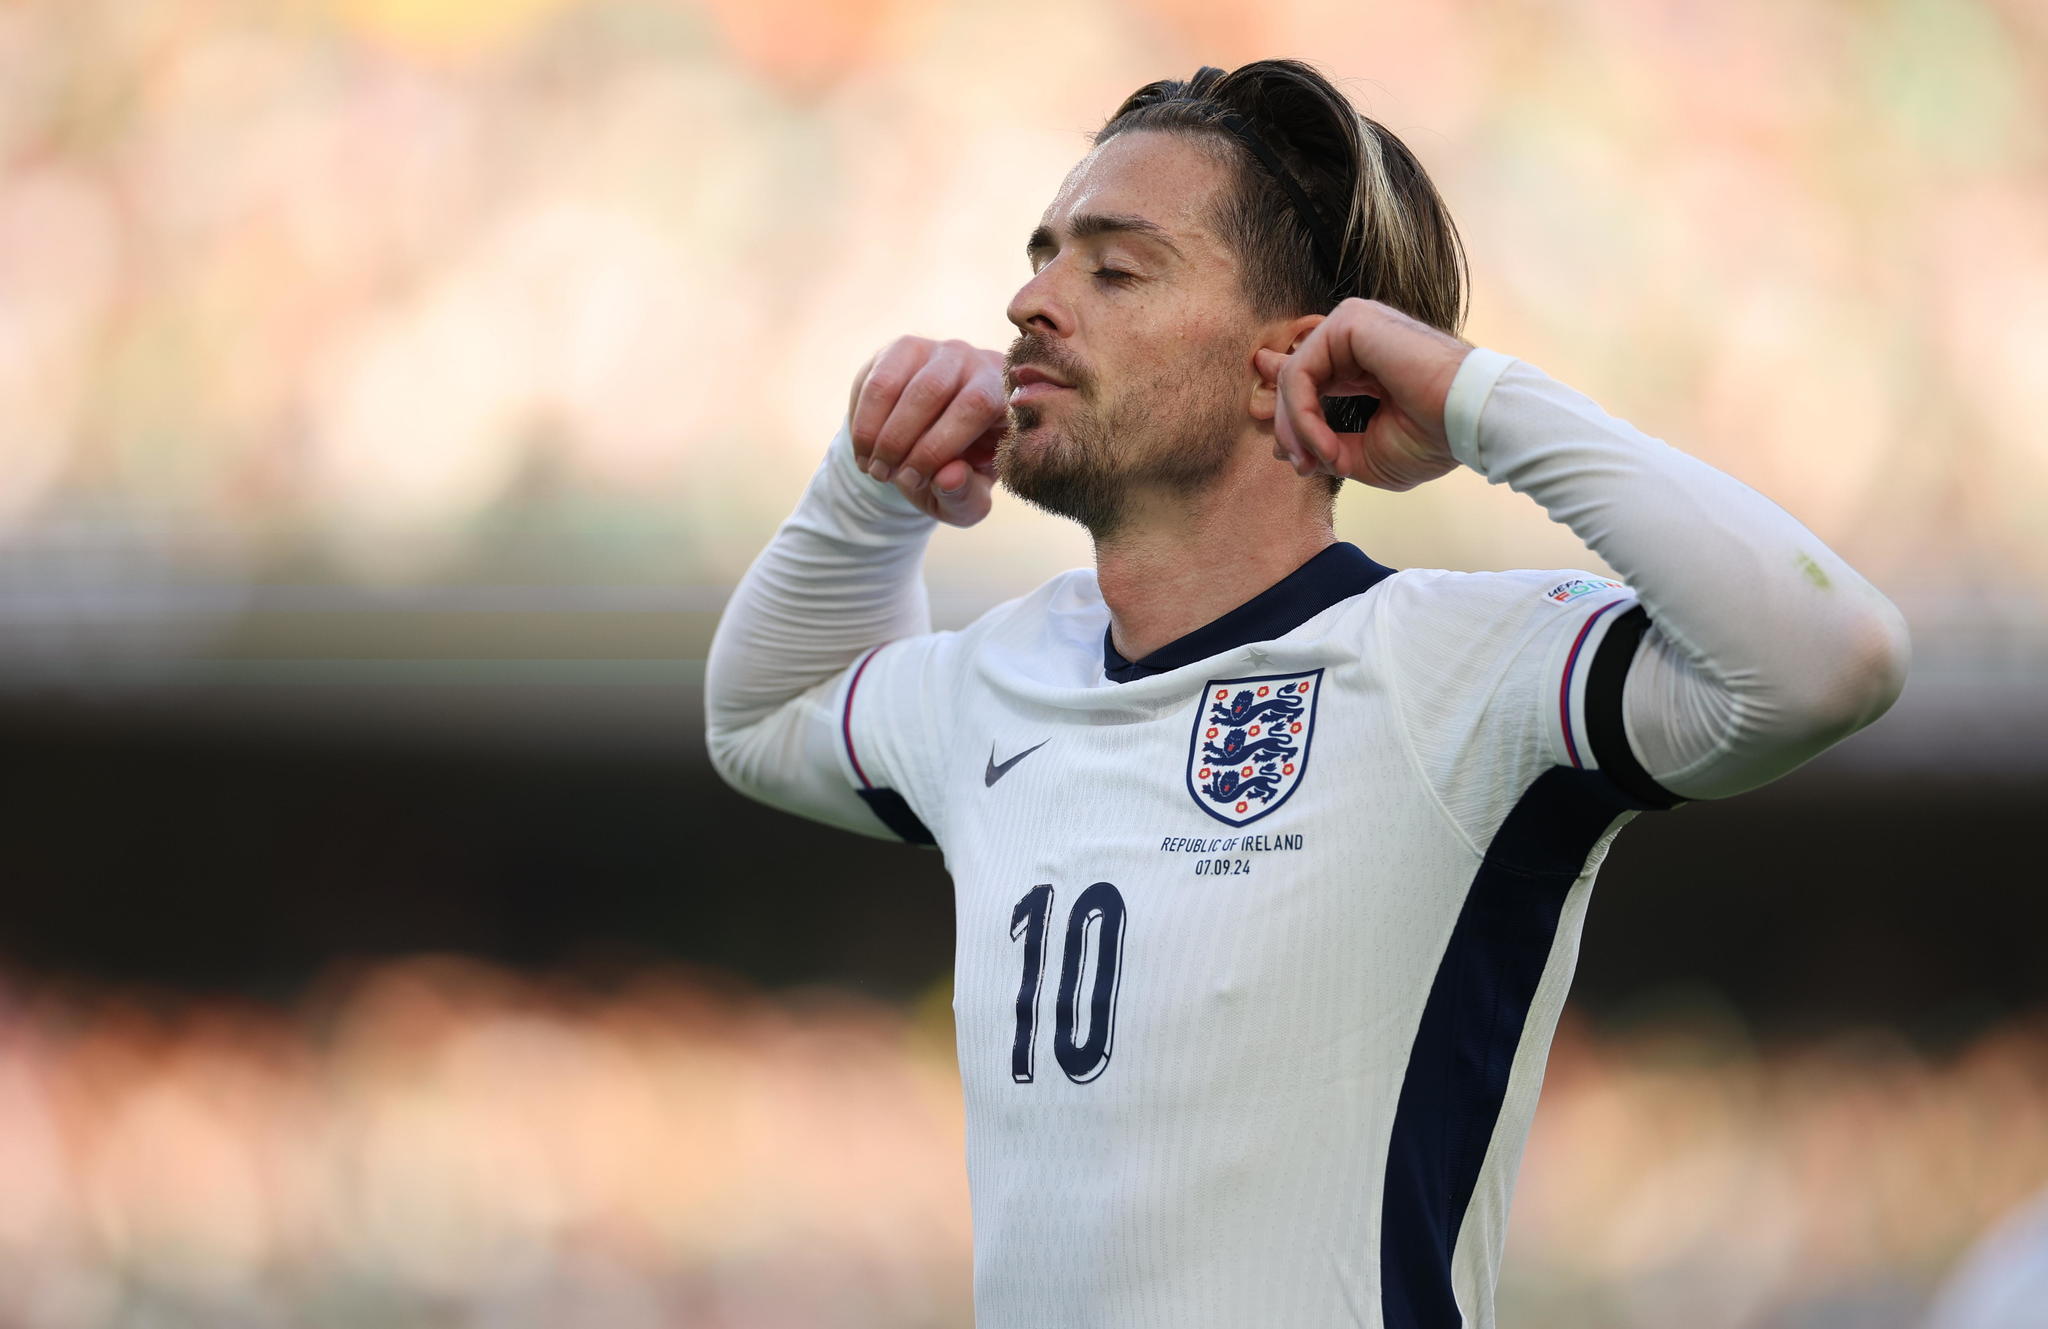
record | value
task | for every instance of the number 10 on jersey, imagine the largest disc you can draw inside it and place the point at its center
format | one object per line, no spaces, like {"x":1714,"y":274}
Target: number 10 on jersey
{"x":1094,"y":942}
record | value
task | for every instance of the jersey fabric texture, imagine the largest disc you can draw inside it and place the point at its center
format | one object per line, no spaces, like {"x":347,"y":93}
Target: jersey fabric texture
{"x":1261,"y":946}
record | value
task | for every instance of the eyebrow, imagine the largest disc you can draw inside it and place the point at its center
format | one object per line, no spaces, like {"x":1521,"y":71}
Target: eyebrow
{"x":1088,"y":224}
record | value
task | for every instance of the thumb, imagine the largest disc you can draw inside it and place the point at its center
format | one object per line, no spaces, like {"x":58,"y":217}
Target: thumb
{"x":961,"y":493}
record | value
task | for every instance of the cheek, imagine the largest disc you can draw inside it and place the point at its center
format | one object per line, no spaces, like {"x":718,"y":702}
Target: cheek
{"x":1175,"y":351}
{"x":1190,"y":367}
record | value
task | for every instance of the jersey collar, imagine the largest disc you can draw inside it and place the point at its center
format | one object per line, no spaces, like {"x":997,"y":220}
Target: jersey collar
{"x":1338,"y":573}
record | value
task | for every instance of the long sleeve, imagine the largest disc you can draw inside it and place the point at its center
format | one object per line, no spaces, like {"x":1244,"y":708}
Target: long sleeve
{"x":1761,"y":646}
{"x":841,"y":576}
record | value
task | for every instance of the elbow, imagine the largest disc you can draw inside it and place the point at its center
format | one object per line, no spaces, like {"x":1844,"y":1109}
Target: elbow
{"x":728,"y":727}
{"x":724,"y":735}
{"x":719,"y":747}
{"x":1890,"y":657}
{"x":1867,"y":675}
{"x":729,"y":752}
{"x":1780,"y":720}
{"x":758,"y":760}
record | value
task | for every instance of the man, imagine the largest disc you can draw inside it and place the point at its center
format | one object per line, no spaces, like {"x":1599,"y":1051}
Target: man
{"x":1269,"y":860}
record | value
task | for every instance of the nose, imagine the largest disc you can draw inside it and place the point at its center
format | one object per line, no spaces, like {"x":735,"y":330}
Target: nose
{"x":1036,"y":307}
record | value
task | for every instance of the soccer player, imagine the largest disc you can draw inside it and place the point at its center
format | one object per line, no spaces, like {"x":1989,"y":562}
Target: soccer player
{"x":1269,"y":860}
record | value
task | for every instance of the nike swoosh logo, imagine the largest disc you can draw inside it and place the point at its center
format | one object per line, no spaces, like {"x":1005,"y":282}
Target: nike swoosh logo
{"x":997,"y":770}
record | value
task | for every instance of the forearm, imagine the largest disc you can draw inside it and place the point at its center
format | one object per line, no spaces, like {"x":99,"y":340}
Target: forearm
{"x":842,"y":573}
{"x":1765,"y":646}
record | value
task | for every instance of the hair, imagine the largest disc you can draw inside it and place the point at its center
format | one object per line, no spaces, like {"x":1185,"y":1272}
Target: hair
{"x":1396,"y":242}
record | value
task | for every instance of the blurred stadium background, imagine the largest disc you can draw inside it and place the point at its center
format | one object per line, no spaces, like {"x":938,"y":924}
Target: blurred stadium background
{"x":392,"y":390}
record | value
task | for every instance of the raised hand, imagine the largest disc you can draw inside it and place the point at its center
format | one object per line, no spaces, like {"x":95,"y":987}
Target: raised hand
{"x":926,"y":416}
{"x":1364,"y":346}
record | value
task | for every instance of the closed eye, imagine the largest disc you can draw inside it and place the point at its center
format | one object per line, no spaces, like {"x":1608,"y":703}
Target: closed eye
{"x":1115,"y":274}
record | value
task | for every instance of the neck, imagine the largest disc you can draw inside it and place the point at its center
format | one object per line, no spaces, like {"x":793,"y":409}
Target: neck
{"x":1161,"y":573}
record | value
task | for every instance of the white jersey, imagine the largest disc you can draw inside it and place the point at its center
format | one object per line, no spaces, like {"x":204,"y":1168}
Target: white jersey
{"x":1259,"y":949}
{"x":1262,"y":938}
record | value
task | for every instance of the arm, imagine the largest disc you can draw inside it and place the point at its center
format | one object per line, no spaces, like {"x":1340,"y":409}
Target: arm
{"x":1754,"y":646}
{"x":841,"y":575}
{"x":840,"y":578}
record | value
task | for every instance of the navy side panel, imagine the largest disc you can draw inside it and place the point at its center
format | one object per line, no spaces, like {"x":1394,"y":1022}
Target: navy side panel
{"x":894,"y":810}
{"x":1471,"y":1025}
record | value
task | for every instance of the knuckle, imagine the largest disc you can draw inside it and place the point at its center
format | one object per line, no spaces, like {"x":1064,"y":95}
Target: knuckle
{"x":980,"y":398}
{"x":885,"y":385}
{"x":924,"y":456}
{"x":904,"y":356}
{"x":890,"y":442}
{"x":924,"y":390}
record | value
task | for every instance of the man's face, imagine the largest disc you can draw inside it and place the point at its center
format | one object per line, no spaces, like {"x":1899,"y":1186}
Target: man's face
{"x":1157,"y":360}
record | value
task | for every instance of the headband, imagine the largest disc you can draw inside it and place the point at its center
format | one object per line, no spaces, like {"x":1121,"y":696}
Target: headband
{"x":1318,"y":229}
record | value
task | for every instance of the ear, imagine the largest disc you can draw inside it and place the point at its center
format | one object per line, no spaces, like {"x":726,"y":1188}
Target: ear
{"x":1267,"y":357}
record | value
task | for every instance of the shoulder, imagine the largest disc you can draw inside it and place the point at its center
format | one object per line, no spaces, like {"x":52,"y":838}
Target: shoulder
{"x":1064,"y":599}
{"x":1064,"y":609}
{"x":1057,"y":617}
{"x":1491,"y":601}
{"x":1449,"y":628}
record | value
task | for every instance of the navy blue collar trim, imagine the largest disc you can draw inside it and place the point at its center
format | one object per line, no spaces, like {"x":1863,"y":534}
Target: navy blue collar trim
{"x":1338,"y":573}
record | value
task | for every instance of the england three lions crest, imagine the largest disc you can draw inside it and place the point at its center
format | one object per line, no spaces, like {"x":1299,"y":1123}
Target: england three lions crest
{"x":1249,"y":747}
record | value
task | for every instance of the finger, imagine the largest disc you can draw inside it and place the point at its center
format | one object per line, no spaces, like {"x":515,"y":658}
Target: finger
{"x":1345,"y":375}
{"x":981,"y":453}
{"x":1344,"y":382}
{"x":975,"y":408}
{"x":970,"y":501}
{"x":1313,"y":439}
{"x":887,"y":376}
{"x":859,"y":378}
{"x":1302,"y":381}
{"x":923,"y":400}
{"x":1283,"y":428}
{"x":1269,"y":363}
{"x":1301,"y":390}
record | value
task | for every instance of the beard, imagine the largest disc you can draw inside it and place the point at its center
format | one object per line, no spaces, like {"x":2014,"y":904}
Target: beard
{"x":1088,"y":465}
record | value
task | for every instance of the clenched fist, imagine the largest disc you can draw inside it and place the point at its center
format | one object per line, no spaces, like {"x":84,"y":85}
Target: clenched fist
{"x":1365,"y":346}
{"x":926,"y":416}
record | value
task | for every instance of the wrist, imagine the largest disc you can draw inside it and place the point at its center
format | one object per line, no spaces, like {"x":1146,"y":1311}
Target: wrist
{"x":876,"y":498}
{"x":1477,"y":373}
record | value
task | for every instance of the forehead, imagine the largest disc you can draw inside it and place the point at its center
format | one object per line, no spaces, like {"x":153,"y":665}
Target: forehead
{"x":1166,"y":178}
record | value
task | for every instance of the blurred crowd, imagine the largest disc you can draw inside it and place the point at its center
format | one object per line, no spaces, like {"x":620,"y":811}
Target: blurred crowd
{"x":436,"y":1141}
{"x":439,"y":1142}
{"x":385,"y":291}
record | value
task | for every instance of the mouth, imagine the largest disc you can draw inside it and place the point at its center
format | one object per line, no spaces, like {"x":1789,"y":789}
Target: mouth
{"x":1036,"y":388}
{"x":1027,"y":376}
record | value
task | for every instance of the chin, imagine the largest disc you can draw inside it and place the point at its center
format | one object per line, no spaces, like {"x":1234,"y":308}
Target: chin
{"x":1027,"y":429}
